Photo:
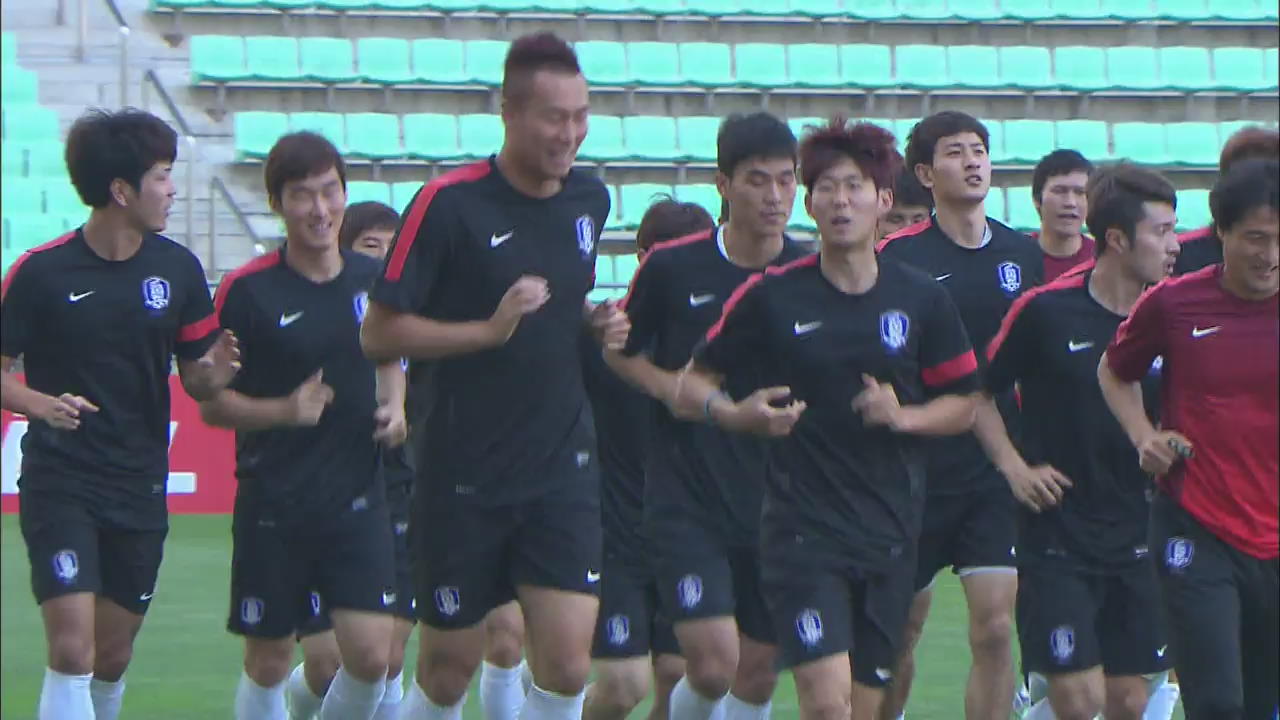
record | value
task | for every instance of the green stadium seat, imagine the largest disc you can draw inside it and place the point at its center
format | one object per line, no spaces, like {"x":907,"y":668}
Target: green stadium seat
{"x":22,"y":193}
{"x":29,"y":230}
{"x":762,"y":65}
{"x":479,"y":136}
{"x":995,"y":204}
{"x":995,"y":139}
{"x":872,"y":9}
{"x":1185,"y":68}
{"x":20,"y":87}
{"x":1240,"y":9}
{"x":799,"y":125}
{"x":712,"y":8}
{"x":1078,"y":9}
{"x":973,"y":66}
{"x":1140,"y":142}
{"x":1026,"y":141}
{"x":921,"y":66}
{"x":604,"y":271}
{"x":975,"y":10}
{"x":1128,"y":10}
{"x":613,"y":222}
{"x":1025,"y":67}
{"x":625,"y":265}
{"x":256,"y":132}
{"x":61,"y":198}
{"x":268,"y":57}
{"x":1133,"y":68}
{"x":8,"y":49}
{"x":1193,"y":209}
{"x":706,"y":64}
{"x":924,"y":9}
{"x":604,"y":140}
{"x":439,"y":61}
{"x":704,"y":194}
{"x":1239,"y":69}
{"x":812,"y":65}
{"x":1227,"y":129}
{"x":1271,"y":68}
{"x":636,"y":199}
{"x":484,"y":61}
{"x":330,"y":125}
{"x":1080,"y":68}
{"x":902,"y":129}
{"x":384,"y":60}
{"x":654,"y":63}
{"x":1021,"y":209}
{"x":650,"y":138}
{"x":612,"y":6}
{"x":800,"y":219}
{"x":217,"y":58}
{"x":696,"y":138}
{"x":866,"y":66}
{"x":13,"y":160}
{"x":30,"y":123}
{"x":1088,"y":137}
{"x":374,"y":135}
{"x":327,"y":59}
{"x":287,"y":4}
{"x":1182,"y":10}
{"x":402,"y":194}
{"x":1192,"y":143}
{"x":603,"y":62}
{"x":362,"y":191}
{"x":431,"y":136}
{"x":817,"y":8}
{"x":1028,"y":10}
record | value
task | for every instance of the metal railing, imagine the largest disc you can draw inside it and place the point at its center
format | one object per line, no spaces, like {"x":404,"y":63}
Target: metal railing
{"x":82,"y":38}
{"x":151,"y":81}
{"x":219,"y":188}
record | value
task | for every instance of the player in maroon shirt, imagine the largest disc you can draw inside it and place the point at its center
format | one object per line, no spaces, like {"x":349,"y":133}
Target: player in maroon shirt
{"x":1058,"y":191}
{"x":1214,"y":520}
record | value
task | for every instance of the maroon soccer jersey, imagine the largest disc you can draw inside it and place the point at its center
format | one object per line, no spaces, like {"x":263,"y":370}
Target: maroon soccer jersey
{"x":1055,"y":266}
{"x":1221,"y":355}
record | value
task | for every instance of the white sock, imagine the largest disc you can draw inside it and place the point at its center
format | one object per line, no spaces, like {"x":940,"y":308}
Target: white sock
{"x":546,"y":705}
{"x":526,"y":676}
{"x":1040,"y":710}
{"x":303,"y":704}
{"x":1163,"y":700}
{"x":107,"y":698}
{"x":65,"y":697}
{"x":501,"y":693}
{"x":687,"y":704}
{"x":735,"y":709}
{"x":390,"y":705}
{"x":417,"y":706}
{"x":254,"y":702}
{"x":350,"y":698}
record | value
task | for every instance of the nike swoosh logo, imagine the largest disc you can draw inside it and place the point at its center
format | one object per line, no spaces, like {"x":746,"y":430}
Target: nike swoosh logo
{"x":940,"y":278}
{"x":146,"y":596}
{"x":1073,"y":346}
{"x":286,"y":319}
{"x":496,"y":240}
{"x":77,"y":297}
{"x":593,"y":576}
{"x":696,"y":300}
{"x":1160,"y":652}
{"x":802,"y":328}
{"x":1201,"y":332}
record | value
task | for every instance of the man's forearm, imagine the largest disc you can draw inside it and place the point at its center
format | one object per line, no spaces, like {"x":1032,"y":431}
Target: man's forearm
{"x":391,"y":384}
{"x":945,"y":415}
{"x":1125,"y":401}
{"x":237,"y":411}
{"x":387,"y":335}
{"x":641,"y":373}
{"x":989,"y":428}
{"x":16,"y":397}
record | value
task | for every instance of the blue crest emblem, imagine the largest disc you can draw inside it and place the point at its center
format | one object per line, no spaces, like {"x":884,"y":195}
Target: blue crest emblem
{"x":586,"y":229}
{"x":448,"y":600}
{"x":894,"y":328}
{"x":251,"y":609}
{"x":360,"y":303}
{"x":315,"y":603}
{"x":66,"y":566}
{"x":1157,"y":365}
{"x":690,"y":591}
{"x":1178,"y":553}
{"x":1010,"y":276}
{"x":155,"y":293}
{"x":618,"y":630}
{"x":809,"y":627}
{"x":1062,"y":643}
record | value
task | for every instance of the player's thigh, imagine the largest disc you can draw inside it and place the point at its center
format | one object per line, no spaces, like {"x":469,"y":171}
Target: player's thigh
{"x":270,"y":591}
{"x":988,"y":533}
{"x":812,"y":609}
{"x":1131,"y":623}
{"x":940,"y":525}
{"x":69,"y":629}
{"x":320,"y":651}
{"x":62,"y":539}
{"x":114,"y":629}
{"x":1058,"y":611}
{"x":621,"y":683}
{"x":130,"y":562}
{"x":352,"y":562}
{"x":364,"y":640}
{"x":750,"y":609}
{"x":881,"y":602}
{"x":462,"y":560}
{"x":558,"y":545}
{"x":625,"y":621}
{"x":1077,"y":695}
{"x":1260,"y":598}
{"x":559,"y":625}
{"x":824,"y":687}
{"x":1126,"y":697}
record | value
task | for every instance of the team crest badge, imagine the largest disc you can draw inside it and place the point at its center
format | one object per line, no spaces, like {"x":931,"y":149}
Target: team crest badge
{"x":360,"y":303}
{"x":894,"y":327}
{"x":586,"y":229}
{"x":315,"y":603}
{"x":690,"y":591}
{"x":1178,"y":553}
{"x":618,"y":630}
{"x":448,"y":601}
{"x":251,"y":610}
{"x":1062,"y":643}
{"x":1010,"y":276}
{"x":155,"y":293}
{"x":66,"y":566}
{"x":809,"y":627}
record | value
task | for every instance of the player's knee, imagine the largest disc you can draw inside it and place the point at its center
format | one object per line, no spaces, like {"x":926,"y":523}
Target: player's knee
{"x":110,"y":662}
{"x":755,"y":684}
{"x":828,"y":706}
{"x":564,"y":675}
{"x":319,"y":671}
{"x":395,"y":661}
{"x":368,"y":662}
{"x":1126,"y":704}
{"x":267,"y":664}
{"x":71,"y":653}
{"x":667,"y":671}
{"x":1077,"y":706}
{"x":444,"y":677}
{"x":621,"y":690}
{"x":990,"y":634}
{"x":710,"y":676}
{"x":504,"y":637}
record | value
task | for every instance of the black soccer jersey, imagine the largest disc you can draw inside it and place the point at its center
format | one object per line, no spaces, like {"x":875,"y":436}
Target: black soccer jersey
{"x":983,"y":283}
{"x":289,"y":327}
{"x":1050,"y":344}
{"x":1197,"y":249}
{"x":852,"y":490}
{"x":490,"y":419}
{"x":106,"y":330}
{"x":676,"y":295}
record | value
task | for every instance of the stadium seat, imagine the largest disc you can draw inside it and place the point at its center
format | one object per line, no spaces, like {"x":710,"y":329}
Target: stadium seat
{"x":636,"y":199}
{"x":1140,"y":142}
{"x":1239,"y":69}
{"x":1021,"y":210}
{"x":706,"y":64}
{"x":384,"y":60}
{"x":973,"y":66}
{"x":20,"y":87}
{"x":479,"y":135}
{"x":374,"y":135}
{"x":624,"y":266}
{"x":361,"y":191}
{"x":713,"y":8}
{"x":696,"y":138}
{"x":1193,"y":209}
{"x":1088,"y":137}
{"x":1024,"y":67}
{"x":612,"y":6}
{"x":604,"y":140}
{"x":799,"y":124}
{"x":1128,"y":10}
{"x":872,"y":9}
{"x":1080,"y":68}
{"x":1185,"y":68}
{"x":13,"y":160}
{"x":327,"y":59}
{"x":650,"y":138}
{"x":811,"y":65}
{"x":1271,"y":69}
{"x":1026,"y":141}
{"x":330,"y":125}
{"x":23,"y":193}
{"x":705,"y":195}
{"x":923,"y":9}
{"x":902,"y":128}
{"x":1133,"y":67}
{"x":800,"y":219}
{"x":654,"y":63}
{"x":921,"y":66}
{"x":817,"y":8}
{"x":762,"y":65}
{"x":484,"y":61}
{"x":1028,"y":10}
{"x":431,"y":136}
{"x":866,"y":66}
{"x":1227,"y":129}
{"x":256,"y":132}
{"x":975,"y":10}
{"x":1182,"y":10}
{"x":612,"y":222}
{"x":8,"y":49}
{"x":61,"y":198}
{"x":1079,"y":9}
{"x":436,"y":60}
{"x":995,"y":204}
{"x":268,"y":57}
{"x":1240,"y":9}
{"x":603,"y":63}
{"x":30,"y":123}
{"x":995,"y":138}
{"x":32,"y":229}
{"x":402,"y":194}
{"x":604,"y":271}
{"x":217,"y":58}
{"x":1192,"y":143}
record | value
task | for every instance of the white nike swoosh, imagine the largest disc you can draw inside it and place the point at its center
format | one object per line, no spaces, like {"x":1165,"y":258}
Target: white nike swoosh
{"x":1160,"y":652}
{"x":802,"y":328}
{"x":696,"y":300}
{"x":496,"y":240}
{"x":1201,"y":332}
{"x":287,"y":318}
{"x":1073,"y":346}
{"x":146,"y":596}
{"x":77,"y":297}
{"x":940,"y":278}
{"x":593,"y":576}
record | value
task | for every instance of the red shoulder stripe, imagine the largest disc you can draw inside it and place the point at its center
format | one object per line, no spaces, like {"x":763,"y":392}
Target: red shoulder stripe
{"x":907,"y":231}
{"x":732,"y":302}
{"x":1200,"y":234}
{"x":418,"y":210}
{"x":664,"y":245}
{"x":13,"y":269}
{"x":1068,"y":280}
{"x":255,"y":265}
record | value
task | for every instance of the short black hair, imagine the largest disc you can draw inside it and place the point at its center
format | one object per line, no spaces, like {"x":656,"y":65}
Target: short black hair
{"x":362,"y":217}
{"x":1056,"y":163}
{"x":924,"y":137}
{"x":668,"y":218}
{"x":103,"y":146}
{"x":758,"y":134}
{"x":907,"y":190}
{"x":1116,"y":197}
{"x":531,"y":53}
{"x":1247,"y":186}
{"x":298,"y":156}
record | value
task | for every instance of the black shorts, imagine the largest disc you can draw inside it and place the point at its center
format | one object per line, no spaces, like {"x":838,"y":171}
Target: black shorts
{"x":1071,"y":620}
{"x":630,"y":622}
{"x":346,"y":560}
{"x":71,"y":550}
{"x":1223,"y":611}
{"x":822,"y":607}
{"x":969,"y":531}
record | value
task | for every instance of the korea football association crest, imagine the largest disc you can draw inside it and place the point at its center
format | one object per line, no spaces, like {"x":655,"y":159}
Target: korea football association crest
{"x":586,"y":229}
{"x":155,"y":293}
{"x":360,"y":304}
{"x":894,"y":328}
{"x":618,"y":630}
{"x":809,"y":627}
{"x":1178,"y":553}
{"x":1062,"y":643}
{"x":66,"y":566}
{"x":1009,"y":274}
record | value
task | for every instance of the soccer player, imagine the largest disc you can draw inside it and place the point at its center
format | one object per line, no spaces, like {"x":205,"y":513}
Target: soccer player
{"x":504,"y":675}
{"x":487,"y":279}
{"x":1203,"y":247}
{"x":703,"y":485}
{"x":367,"y":228}
{"x":856,"y":357}
{"x":630,"y":624}
{"x":912,"y":204}
{"x":1058,"y":190}
{"x":311,"y":522}
{"x":1086,"y":588}
{"x":96,"y":316}
{"x":1214,"y":531}
{"x":969,"y":519}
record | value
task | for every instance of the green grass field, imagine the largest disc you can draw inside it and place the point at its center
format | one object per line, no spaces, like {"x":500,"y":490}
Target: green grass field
{"x":186,"y":664}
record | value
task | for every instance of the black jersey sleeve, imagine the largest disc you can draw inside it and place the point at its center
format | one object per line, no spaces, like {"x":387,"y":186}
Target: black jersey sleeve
{"x":736,"y":335}
{"x":234,"y":312}
{"x":198,"y":322}
{"x":643,"y":302}
{"x":1140,"y":337}
{"x":420,"y":253}
{"x":947,"y":361}
{"x":16,"y":306}
{"x":1013,"y":349}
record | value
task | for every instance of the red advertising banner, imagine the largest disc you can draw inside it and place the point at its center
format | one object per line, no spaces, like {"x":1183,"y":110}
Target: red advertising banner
{"x":201,"y":459}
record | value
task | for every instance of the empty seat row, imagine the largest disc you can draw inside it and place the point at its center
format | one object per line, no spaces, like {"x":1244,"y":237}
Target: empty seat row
{"x":924,"y":10}
{"x":40,"y":159}
{"x":37,"y":196}
{"x":434,"y":61}
{"x":25,"y":123}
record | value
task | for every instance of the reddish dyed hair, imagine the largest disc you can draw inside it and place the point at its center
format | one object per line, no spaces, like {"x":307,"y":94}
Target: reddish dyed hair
{"x":1248,"y":143}
{"x":872,"y":148}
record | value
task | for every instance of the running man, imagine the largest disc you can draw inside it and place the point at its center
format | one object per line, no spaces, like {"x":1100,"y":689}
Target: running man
{"x":1058,"y":190}
{"x":912,"y":204}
